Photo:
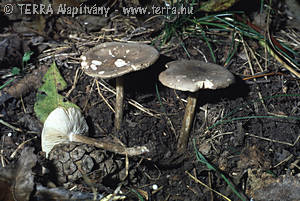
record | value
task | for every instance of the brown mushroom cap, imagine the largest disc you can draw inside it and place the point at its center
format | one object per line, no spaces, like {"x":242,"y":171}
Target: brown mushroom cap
{"x":192,"y":75}
{"x":113,"y":59}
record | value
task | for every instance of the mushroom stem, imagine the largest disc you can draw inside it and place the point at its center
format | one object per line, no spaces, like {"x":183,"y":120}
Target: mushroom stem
{"x":109,"y":146}
{"x":119,"y":102}
{"x":187,"y":122}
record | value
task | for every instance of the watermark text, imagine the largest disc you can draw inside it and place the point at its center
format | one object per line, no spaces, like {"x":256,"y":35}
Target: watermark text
{"x":157,"y":10}
{"x":64,"y":9}
{"x":61,"y":9}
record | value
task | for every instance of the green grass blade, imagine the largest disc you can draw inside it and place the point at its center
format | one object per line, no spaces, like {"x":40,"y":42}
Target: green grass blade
{"x":203,"y":160}
{"x":6,"y":83}
{"x":240,"y":107}
{"x":140,"y":197}
{"x":252,"y":117}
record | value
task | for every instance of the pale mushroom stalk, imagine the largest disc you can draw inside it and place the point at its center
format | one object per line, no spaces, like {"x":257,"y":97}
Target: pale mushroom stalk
{"x":109,"y":146}
{"x":187,"y":121}
{"x":119,"y":102}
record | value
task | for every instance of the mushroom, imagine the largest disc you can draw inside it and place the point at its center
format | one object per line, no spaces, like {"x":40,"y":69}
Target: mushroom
{"x":68,"y":125}
{"x":192,"y":75}
{"x":113,"y":60}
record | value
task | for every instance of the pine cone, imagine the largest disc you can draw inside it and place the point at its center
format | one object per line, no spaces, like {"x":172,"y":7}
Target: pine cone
{"x":71,"y":160}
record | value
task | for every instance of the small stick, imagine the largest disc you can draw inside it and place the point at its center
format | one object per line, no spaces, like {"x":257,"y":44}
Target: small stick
{"x":104,"y":99}
{"x":3,"y":159}
{"x":133,"y":102}
{"x":88,"y":97}
{"x":262,"y":75}
{"x":23,"y":106}
{"x":10,"y":126}
{"x":20,"y":147}
{"x":252,"y":72}
{"x":285,"y":65}
{"x":74,"y":83}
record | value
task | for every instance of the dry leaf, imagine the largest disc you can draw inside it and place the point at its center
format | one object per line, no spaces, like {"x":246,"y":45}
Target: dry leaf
{"x":27,"y":83}
{"x":16,"y":180}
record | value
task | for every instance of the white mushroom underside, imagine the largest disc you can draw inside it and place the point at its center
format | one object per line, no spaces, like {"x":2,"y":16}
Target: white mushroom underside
{"x":60,"y":125}
{"x":179,"y":84}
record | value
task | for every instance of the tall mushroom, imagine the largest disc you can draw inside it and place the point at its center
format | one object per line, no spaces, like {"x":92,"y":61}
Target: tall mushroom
{"x":113,"y":60}
{"x":192,"y":75}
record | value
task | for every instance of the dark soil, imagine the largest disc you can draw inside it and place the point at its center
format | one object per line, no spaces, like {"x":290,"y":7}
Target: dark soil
{"x":257,"y":135}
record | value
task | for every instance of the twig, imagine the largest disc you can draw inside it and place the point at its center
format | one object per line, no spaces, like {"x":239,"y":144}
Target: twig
{"x":262,"y":138}
{"x":86,"y":179}
{"x":74,"y":83}
{"x":104,"y":99}
{"x":210,"y":185}
{"x":294,"y":164}
{"x":23,"y":106}
{"x":3,"y":159}
{"x":252,"y":72}
{"x":283,"y":161}
{"x":276,"y":141}
{"x":132,"y":102}
{"x":21,"y":147}
{"x":10,"y":126}
{"x":200,"y":182}
{"x":203,"y":55}
{"x":58,"y":55}
{"x":263,"y":75}
{"x":285,"y":65}
{"x":88,"y":97}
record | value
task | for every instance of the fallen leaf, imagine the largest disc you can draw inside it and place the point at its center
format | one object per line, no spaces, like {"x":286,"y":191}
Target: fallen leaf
{"x":27,"y":83}
{"x":263,"y":187}
{"x":16,"y":180}
{"x":48,"y":97}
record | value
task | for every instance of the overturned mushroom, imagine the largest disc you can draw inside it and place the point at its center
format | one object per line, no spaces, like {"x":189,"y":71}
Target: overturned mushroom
{"x":192,"y":75}
{"x":68,"y":125}
{"x":113,"y":60}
